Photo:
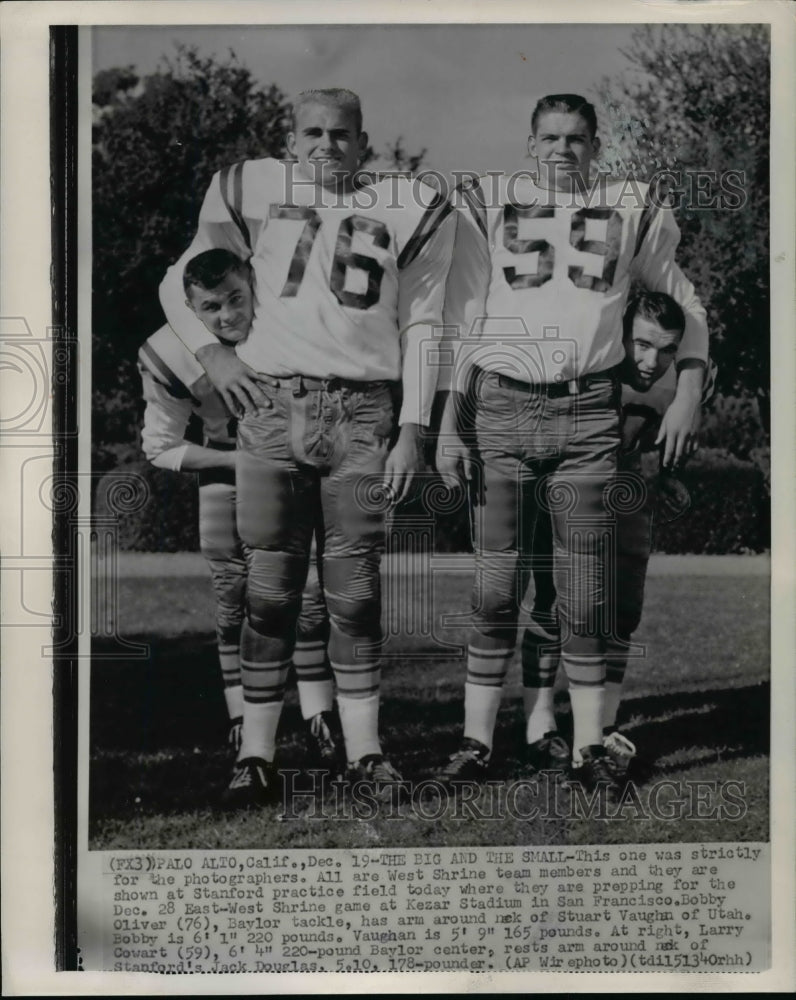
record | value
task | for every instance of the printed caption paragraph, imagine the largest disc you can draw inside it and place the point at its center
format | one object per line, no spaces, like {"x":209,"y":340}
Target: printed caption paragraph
{"x":698,"y":907}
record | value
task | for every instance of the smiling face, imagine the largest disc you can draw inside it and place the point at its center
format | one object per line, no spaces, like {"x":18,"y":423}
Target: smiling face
{"x":650,"y":351}
{"x":564,"y":146}
{"x":327,"y":144}
{"x":227,"y":309}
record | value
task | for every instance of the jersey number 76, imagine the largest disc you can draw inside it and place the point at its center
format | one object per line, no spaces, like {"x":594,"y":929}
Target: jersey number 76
{"x":344,"y":257}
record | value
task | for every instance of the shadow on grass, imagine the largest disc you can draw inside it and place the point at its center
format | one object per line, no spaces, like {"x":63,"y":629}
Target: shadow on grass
{"x":158,"y":730}
{"x":693,"y":728}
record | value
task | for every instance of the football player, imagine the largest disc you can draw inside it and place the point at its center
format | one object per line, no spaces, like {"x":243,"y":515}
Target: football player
{"x":175,"y":387}
{"x":538,"y":284}
{"x":349,"y":279}
{"x":653,"y":327}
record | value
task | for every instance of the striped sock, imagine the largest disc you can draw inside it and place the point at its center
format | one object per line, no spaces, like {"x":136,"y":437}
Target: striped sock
{"x":481,"y":705}
{"x":613,"y":699}
{"x":539,"y":667}
{"x":315,"y":697}
{"x":615,"y":667}
{"x":229,"y":660}
{"x":539,"y":714}
{"x":260,"y":723}
{"x":264,"y":681}
{"x":233,"y":696}
{"x":488,"y":660}
{"x":359,"y":719}
{"x":313,"y":677}
{"x":587,"y":716}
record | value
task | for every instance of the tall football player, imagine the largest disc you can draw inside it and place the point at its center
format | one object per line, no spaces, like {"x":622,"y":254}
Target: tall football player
{"x":540,"y":276}
{"x":349,"y":279}
{"x":653,"y":328}
{"x":175,"y":387}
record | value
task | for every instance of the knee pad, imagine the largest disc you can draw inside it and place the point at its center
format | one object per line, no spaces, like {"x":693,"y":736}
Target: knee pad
{"x":353,"y":594}
{"x":495,"y":598}
{"x":274,"y":591}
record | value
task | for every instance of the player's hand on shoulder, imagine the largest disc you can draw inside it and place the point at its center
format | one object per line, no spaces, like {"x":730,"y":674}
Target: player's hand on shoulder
{"x":403,"y":461}
{"x":235,"y":381}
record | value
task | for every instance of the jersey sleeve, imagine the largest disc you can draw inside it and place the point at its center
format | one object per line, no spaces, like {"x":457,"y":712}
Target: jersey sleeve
{"x":655,"y":265}
{"x":422,"y":269}
{"x":166,"y":420}
{"x":221,"y":226}
{"x":467,"y":285}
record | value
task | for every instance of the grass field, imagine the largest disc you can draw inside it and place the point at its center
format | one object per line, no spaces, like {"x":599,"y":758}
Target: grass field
{"x":697,"y":706}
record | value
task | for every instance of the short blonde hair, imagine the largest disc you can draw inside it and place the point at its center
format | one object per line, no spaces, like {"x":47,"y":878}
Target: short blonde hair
{"x":337,"y":97}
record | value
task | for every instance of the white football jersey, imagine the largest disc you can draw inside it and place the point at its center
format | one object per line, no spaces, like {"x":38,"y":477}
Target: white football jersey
{"x":540,"y":279}
{"x":175,"y":388}
{"x":341,"y":279}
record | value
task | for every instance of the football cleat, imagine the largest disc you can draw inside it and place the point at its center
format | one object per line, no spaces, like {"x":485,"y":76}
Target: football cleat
{"x":550,"y":753}
{"x":628,"y":763}
{"x":322,"y":744}
{"x":378,"y":774}
{"x":621,"y":751}
{"x":596,"y":769}
{"x":235,"y":734}
{"x":253,"y":784}
{"x":469,"y":763}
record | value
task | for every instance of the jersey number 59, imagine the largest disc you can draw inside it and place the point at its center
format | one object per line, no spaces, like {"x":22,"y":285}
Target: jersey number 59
{"x":608,"y":249}
{"x":344,"y":257}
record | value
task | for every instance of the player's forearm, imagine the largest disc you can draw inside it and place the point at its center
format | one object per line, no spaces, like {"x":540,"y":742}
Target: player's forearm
{"x":657,"y":269}
{"x":690,"y":378}
{"x":420,"y":372}
{"x":187,"y":457}
{"x":452,"y":409}
{"x":191,"y":331}
{"x":695,"y":343}
{"x":197,"y":457}
{"x":410,"y":432}
{"x":166,"y":457}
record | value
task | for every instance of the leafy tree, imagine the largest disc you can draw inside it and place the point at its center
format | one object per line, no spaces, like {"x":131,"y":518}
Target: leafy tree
{"x":157,"y":141}
{"x":697,"y":100}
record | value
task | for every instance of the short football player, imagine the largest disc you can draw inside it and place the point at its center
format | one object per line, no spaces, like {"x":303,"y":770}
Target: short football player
{"x":218,"y":288}
{"x":538,"y":284}
{"x":349,"y":278}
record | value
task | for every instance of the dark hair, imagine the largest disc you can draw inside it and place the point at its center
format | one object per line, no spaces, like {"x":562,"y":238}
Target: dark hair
{"x":567,"y":103}
{"x":337,"y":97}
{"x":208,"y":269}
{"x":658,"y":307}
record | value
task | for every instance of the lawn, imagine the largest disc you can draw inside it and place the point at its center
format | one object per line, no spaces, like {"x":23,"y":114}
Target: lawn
{"x":697,"y":706}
